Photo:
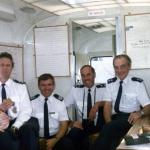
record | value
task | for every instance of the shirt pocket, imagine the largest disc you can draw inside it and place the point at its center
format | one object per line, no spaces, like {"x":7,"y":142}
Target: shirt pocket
{"x":129,"y":98}
{"x":54,"y":115}
{"x":53,"y":120}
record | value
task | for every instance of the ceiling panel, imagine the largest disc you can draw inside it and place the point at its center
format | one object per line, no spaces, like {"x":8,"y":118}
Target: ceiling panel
{"x":63,"y":7}
{"x":68,"y":6}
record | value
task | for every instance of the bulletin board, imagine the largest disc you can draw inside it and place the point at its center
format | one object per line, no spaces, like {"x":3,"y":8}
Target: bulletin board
{"x":137,"y":40}
{"x":17,"y":54}
{"x":52,"y":50}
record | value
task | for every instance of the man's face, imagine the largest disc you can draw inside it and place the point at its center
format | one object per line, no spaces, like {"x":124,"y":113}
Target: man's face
{"x":46,"y":87}
{"x":5,"y":68}
{"x":121,"y":67}
{"x":88,"y":77}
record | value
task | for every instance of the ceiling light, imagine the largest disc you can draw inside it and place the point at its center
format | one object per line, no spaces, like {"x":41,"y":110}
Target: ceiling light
{"x":77,"y":1}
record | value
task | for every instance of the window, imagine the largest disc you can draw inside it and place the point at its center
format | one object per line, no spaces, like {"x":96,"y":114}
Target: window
{"x":103,"y":67}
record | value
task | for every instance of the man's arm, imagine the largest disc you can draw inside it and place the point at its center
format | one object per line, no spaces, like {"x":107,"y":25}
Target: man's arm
{"x":95,"y":109}
{"x":136,"y":115}
{"x":4,"y":121}
{"x":25,"y":108}
{"x":146,"y":110}
{"x":107,"y":111}
{"x":61,"y":132}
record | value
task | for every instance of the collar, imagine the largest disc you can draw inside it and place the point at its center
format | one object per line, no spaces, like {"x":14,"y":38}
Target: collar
{"x":8,"y":82}
{"x":92,"y":88}
{"x":125,"y":81}
{"x":43,"y":97}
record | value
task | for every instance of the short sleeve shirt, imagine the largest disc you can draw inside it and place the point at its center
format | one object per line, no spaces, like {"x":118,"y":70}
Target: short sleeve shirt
{"x":78,"y":97}
{"x":56,"y":109}
{"x":133,"y":95}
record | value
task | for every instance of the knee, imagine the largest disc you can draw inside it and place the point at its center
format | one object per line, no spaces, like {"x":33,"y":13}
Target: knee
{"x":65,"y":144}
{"x":25,"y":129}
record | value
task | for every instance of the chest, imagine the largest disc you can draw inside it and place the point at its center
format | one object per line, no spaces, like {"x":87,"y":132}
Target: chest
{"x":129,"y":91}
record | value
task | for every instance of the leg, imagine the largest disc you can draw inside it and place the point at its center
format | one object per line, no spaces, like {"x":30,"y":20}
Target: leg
{"x":7,"y":142}
{"x":111,"y":135}
{"x":75,"y":139}
{"x":28,"y":135}
{"x":65,"y":144}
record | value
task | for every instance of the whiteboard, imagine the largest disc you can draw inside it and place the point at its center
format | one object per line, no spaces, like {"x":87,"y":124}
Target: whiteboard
{"x":51,"y":50}
{"x":138,"y":40}
{"x":17,"y":54}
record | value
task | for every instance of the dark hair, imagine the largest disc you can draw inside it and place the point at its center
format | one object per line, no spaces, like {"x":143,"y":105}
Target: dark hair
{"x":89,"y":66}
{"x":46,"y":76}
{"x":7,"y":55}
{"x":123,"y":56}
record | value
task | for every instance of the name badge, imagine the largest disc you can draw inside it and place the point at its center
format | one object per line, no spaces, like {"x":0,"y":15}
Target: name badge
{"x":50,"y":113}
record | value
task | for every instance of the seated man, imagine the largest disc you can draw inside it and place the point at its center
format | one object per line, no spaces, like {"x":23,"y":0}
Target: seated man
{"x":125,"y":94}
{"x":51,"y":112}
{"x":15,"y":110}
{"x":86,"y":99}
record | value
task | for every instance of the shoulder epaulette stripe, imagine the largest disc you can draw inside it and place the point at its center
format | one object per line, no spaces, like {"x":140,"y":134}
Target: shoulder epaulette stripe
{"x":79,"y":86}
{"x":111,"y":80}
{"x":137,"y":79}
{"x":58,"y":97}
{"x":18,"y":81}
{"x":102,"y":85}
{"x":34,"y":97}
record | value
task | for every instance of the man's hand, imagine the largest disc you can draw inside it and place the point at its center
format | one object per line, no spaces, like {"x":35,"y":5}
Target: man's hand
{"x":4,"y":121}
{"x":92,"y":114}
{"x":50,"y":143}
{"x":94,"y":110}
{"x":78,"y":124}
{"x":134,"y":117}
{"x":6,"y":104}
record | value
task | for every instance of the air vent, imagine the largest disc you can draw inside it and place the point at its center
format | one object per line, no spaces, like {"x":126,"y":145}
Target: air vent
{"x":28,"y":10}
{"x":97,"y":26}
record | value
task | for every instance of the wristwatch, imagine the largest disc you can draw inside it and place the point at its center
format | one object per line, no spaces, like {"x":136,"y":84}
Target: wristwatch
{"x":142,"y":113}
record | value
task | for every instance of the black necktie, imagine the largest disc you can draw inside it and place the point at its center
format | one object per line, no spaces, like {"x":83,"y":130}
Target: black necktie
{"x":46,"y":120}
{"x":89,"y":102}
{"x":118,"y":98}
{"x":3,"y":92}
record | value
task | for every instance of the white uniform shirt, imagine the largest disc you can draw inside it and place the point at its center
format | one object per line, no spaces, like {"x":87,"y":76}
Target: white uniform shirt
{"x":78,"y":97}
{"x":56,"y":110}
{"x":133,"y":95}
{"x":21,"y":110}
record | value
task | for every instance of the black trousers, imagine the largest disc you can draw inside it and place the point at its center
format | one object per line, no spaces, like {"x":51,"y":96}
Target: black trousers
{"x":112,"y":133}
{"x":27,"y":138}
{"x":78,"y":139}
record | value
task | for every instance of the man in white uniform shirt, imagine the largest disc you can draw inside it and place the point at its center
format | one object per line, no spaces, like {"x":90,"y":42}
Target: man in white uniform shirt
{"x":126,"y":101}
{"x":15,"y":105}
{"x":57,"y":117}
{"x":87,"y":121}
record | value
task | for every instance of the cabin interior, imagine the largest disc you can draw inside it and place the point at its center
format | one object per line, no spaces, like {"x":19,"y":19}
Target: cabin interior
{"x":96,"y":29}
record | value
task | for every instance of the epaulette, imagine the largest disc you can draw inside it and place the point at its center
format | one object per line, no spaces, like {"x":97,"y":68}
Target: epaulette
{"x":18,"y":81}
{"x":34,"y":97}
{"x":111,"y":80}
{"x":137,"y":79}
{"x":102,"y":85}
{"x":79,"y":86}
{"x":58,"y":97}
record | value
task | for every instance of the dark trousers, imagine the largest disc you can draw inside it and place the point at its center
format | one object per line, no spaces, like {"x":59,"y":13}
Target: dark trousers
{"x":78,"y":139}
{"x":28,"y":135}
{"x":27,"y":138}
{"x":112,"y":133}
{"x":7,"y":142}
